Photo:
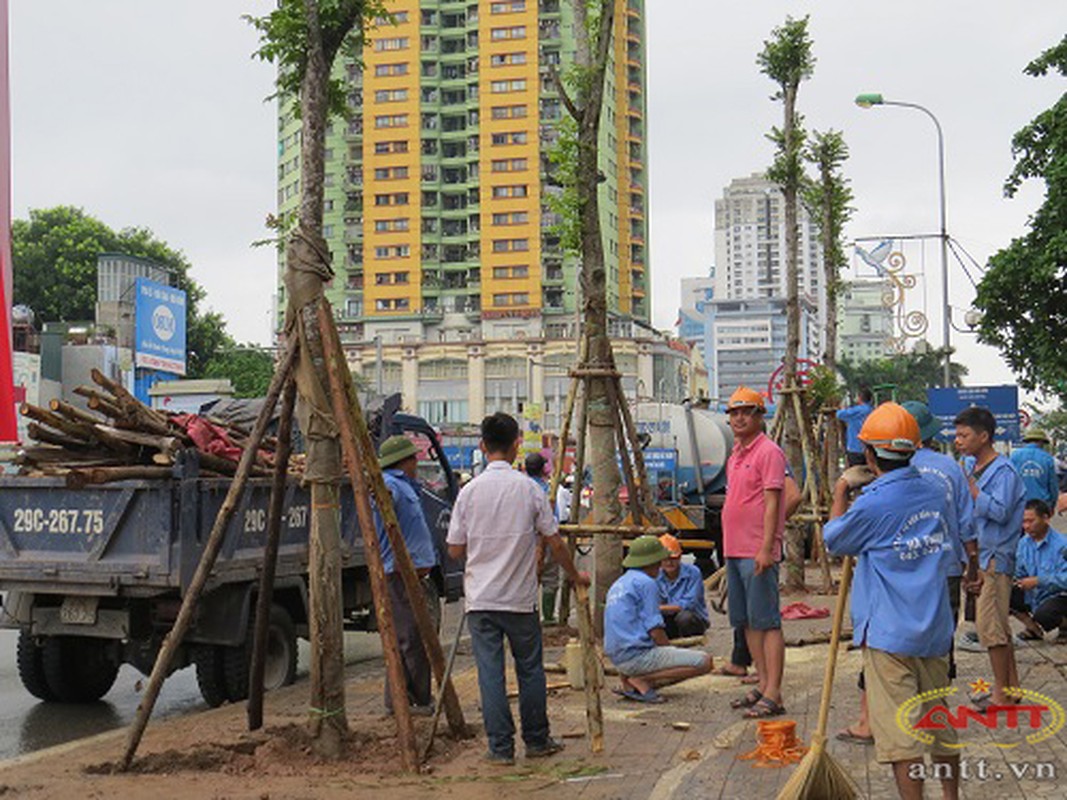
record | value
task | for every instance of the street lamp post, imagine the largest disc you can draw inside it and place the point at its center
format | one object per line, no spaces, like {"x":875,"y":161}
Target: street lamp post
{"x":875,"y":99}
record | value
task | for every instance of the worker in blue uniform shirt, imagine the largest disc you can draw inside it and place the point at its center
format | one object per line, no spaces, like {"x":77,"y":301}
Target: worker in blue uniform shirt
{"x":901,"y":617}
{"x":998,"y":497}
{"x":1039,"y":596}
{"x":398,"y":459}
{"x":681,"y":593}
{"x":1037,"y":467}
{"x":853,"y":418}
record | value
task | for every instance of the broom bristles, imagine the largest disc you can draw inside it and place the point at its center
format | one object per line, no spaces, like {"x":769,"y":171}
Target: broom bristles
{"x":819,"y":777}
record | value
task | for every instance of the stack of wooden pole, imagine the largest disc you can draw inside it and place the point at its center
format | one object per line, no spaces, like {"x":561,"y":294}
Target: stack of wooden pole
{"x":117,"y":437}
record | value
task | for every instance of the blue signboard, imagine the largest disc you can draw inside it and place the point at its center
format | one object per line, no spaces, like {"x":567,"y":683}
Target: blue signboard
{"x":1003,"y":401}
{"x":159,"y":327}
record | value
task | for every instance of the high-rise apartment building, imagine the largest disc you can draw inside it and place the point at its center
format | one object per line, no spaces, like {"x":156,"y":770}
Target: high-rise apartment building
{"x":437,"y":183}
{"x":750,"y":246}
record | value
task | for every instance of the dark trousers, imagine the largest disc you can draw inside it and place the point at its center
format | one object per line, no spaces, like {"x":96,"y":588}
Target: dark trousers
{"x":684,"y":623}
{"x":740,"y":657}
{"x":1052,"y":613}
{"x":488,"y":631}
{"x":412,"y":656}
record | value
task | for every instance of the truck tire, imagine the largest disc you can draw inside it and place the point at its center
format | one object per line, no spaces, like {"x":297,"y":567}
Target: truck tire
{"x":280,"y":667}
{"x":208,"y":661}
{"x":78,"y":669}
{"x":30,"y":662}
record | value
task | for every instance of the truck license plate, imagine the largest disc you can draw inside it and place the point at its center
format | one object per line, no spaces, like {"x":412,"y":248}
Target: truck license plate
{"x":78,"y":610}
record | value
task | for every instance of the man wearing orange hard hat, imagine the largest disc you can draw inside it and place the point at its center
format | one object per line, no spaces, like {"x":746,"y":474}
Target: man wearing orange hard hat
{"x":753,"y":522}
{"x":681,"y":593}
{"x":898,"y":528}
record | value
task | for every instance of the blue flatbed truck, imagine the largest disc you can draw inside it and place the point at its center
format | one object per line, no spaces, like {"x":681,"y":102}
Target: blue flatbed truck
{"x":93,"y":577}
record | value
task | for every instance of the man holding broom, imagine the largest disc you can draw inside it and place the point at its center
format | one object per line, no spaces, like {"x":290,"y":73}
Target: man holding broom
{"x":900,"y":607}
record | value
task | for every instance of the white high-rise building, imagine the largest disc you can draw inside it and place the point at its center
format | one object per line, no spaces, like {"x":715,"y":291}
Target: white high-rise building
{"x":750,"y":247}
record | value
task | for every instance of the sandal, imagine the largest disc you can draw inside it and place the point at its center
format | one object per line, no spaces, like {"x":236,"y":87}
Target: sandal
{"x":651,"y":696}
{"x":749,"y":700}
{"x":847,"y":735}
{"x":750,"y":680}
{"x":731,"y":673}
{"x":765,"y":707}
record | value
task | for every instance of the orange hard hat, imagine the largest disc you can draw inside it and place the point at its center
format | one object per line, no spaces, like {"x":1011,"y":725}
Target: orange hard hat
{"x":892,"y":431}
{"x":745,"y":398}
{"x":672,"y":545}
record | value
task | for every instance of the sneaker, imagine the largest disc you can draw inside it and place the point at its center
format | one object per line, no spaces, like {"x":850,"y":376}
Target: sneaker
{"x":422,"y":711}
{"x":498,"y":759}
{"x":549,"y":748}
{"x":969,"y":642}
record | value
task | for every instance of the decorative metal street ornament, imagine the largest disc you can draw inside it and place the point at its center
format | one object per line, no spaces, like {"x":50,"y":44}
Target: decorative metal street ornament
{"x":889,"y":265}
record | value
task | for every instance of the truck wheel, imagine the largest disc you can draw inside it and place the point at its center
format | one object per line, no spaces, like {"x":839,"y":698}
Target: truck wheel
{"x":78,"y":669}
{"x":208,"y":661}
{"x":30,"y":662}
{"x":280,"y":667}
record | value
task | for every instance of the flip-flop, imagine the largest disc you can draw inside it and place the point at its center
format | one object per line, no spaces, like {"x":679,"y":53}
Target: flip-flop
{"x":749,"y":700}
{"x":651,"y":696}
{"x":729,"y":673}
{"x":750,"y":680}
{"x":765,"y":707}
{"x":853,"y":738}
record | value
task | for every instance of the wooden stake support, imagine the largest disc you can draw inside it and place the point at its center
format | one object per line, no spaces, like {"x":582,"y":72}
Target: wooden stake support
{"x":174,"y":639}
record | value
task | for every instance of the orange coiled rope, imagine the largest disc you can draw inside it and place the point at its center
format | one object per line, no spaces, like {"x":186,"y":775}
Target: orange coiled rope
{"x":778,"y":744}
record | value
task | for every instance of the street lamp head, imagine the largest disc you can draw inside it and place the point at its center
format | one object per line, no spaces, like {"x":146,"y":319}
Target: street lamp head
{"x":869,"y":99}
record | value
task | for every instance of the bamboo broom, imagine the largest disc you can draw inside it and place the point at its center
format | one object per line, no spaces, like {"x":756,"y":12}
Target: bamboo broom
{"x":818,"y":776}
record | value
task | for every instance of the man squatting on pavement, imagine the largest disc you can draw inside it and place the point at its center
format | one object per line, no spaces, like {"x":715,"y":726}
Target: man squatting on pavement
{"x":496,"y":523}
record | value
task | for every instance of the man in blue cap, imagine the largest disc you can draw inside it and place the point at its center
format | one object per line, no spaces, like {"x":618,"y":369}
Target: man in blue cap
{"x":398,"y":458}
{"x":1037,"y":467}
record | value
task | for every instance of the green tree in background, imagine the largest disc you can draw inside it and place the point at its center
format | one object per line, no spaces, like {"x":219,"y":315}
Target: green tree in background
{"x":911,"y":373}
{"x":248,"y":368}
{"x":54,"y":254}
{"x":1024,"y":293}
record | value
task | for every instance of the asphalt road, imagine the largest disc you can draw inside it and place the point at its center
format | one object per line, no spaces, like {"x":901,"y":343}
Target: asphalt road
{"x":26,"y":724}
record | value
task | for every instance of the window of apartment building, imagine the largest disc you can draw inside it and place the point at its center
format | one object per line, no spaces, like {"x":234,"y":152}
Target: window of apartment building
{"x":391,"y":225}
{"x":390,"y":95}
{"x":508,"y":112}
{"x":391,"y":278}
{"x":397,"y":43}
{"x":505,"y":273}
{"x":395,"y":18}
{"x":391,"y":121}
{"x":393,"y":251}
{"x":501,"y":34}
{"x":395,"y":199}
{"x":511,"y":299}
{"x":511,"y":191}
{"x":510,"y":164}
{"x":502,"y":87}
{"x":390,"y":70}
{"x":514,"y":137}
{"x":506,"y":59}
{"x":511,"y":245}
{"x":513,"y":218}
{"x":382,"y":148}
{"x":390,"y":173}
{"x":507,"y":7}
{"x":389,"y":304}
{"x":443,"y":369}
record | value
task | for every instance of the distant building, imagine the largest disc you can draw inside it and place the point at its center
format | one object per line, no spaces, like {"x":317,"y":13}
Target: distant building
{"x":750,"y":247}
{"x":864,"y":322}
{"x":695,"y":293}
{"x":745,"y":341}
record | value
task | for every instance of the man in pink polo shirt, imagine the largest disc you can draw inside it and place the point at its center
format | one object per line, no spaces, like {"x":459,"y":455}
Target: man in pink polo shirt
{"x":753,"y":520}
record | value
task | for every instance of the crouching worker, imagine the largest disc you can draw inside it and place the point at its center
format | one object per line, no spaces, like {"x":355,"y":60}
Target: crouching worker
{"x":681,"y":593}
{"x":899,"y":532}
{"x":634,"y":635}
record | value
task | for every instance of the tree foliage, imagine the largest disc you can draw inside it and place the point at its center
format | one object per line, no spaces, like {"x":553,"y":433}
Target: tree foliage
{"x":249,"y":369}
{"x":1024,"y":292}
{"x":911,"y":373}
{"x":54,"y":253}
{"x":787,"y":60}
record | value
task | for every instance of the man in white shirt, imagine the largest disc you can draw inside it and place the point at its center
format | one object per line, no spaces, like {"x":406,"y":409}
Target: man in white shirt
{"x":495,"y":524}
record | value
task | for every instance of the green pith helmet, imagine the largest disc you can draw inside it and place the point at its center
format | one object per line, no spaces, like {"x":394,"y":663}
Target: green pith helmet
{"x":645,"y":551}
{"x":1036,"y":435}
{"x":395,"y":449}
{"x":929,"y":425}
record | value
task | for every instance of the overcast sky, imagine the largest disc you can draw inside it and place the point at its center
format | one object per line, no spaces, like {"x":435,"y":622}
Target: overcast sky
{"x":151,"y":113}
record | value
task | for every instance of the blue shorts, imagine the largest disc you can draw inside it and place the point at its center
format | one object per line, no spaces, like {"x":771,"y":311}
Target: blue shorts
{"x":753,"y":598}
{"x":661,"y":658}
